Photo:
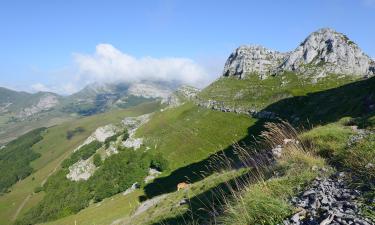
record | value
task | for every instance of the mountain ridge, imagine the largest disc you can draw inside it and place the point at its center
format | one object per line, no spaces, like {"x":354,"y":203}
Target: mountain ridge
{"x":323,"y":52}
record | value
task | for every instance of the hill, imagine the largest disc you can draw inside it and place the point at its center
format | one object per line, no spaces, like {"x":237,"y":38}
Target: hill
{"x":252,"y":147}
{"x":21,"y":112}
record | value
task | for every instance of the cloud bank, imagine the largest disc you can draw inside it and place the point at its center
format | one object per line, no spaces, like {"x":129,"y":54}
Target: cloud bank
{"x":109,"y":64}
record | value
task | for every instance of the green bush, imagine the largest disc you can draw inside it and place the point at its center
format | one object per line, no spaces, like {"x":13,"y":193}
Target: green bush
{"x":38,"y":189}
{"x":159,"y":162}
{"x":97,"y":160}
{"x":84,"y":152}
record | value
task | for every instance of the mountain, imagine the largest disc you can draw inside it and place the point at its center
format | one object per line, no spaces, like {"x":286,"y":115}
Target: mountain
{"x":255,"y":77}
{"x":22,"y":104}
{"x":21,"y":112}
{"x":323,"y":52}
{"x":232,"y":146}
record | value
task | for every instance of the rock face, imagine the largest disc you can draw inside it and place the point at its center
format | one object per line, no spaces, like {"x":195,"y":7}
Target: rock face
{"x":252,"y":59}
{"x":46,"y":102}
{"x":100,"y":134}
{"x":132,"y":124}
{"x":148,"y":90}
{"x":328,"y":201}
{"x":322,"y":52}
{"x":81,"y":170}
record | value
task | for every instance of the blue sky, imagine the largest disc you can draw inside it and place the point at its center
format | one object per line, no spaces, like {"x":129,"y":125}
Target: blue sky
{"x":50,"y":45}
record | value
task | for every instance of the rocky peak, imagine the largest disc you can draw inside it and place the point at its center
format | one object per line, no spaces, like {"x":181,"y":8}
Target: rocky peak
{"x":322,"y":52}
{"x":332,"y":51}
{"x":252,"y":59}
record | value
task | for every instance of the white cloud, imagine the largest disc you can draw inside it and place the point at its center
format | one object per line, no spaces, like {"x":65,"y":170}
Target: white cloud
{"x":108,"y":64}
{"x":39,"y":87}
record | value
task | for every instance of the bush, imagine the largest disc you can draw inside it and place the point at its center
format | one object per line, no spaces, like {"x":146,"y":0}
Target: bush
{"x":126,"y":135}
{"x":97,"y":160}
{"x":159,"y":162}
{"x":84,"y":153}
{"x":38,"y":189}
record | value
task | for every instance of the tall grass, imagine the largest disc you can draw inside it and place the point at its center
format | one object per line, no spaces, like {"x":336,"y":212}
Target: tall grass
{"x":258,"y":196}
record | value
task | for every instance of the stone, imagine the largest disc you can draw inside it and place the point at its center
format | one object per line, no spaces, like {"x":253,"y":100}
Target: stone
{"x":323,"y":52}
{"x":252,"y":59}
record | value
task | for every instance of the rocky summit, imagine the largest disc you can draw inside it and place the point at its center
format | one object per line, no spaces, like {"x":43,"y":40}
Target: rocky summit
{"x":252,"y":59}
{"x":321,"y":53}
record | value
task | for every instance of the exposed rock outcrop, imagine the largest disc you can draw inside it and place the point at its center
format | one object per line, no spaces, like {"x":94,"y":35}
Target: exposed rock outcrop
{"x":328,"y":201}
{"x":332,"y":52}
{"x":132,"y":124}
{"x":46,"y":102}
{"x":81,"y":170}
{"x":321,"y":53}
{"x":148,"y":90}
{"x":100,"y":134}
{"x":252,"y":59}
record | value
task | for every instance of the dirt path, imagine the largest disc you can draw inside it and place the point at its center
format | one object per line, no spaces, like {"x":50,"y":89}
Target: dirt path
{"x":29,"y":195}
{"x":21,"y":207}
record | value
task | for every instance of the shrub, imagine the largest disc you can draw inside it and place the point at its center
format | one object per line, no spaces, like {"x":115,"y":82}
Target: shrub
{"x":159,"y":162}
{"x":38,"y":189}
{"x":84,"y":152}
{"x":97,"y":160}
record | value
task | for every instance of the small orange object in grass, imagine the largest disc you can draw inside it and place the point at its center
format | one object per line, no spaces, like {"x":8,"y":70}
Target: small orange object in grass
{"x":182,"y":185}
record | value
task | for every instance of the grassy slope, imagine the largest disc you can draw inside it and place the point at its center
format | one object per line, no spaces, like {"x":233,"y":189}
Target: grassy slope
{"x":176,"y":133}
{"x":254,"y":93}
{"x":188,"y":133}
{"x":54,"y":148}
{"x":8,"y":131}
{"x":105,"y":212}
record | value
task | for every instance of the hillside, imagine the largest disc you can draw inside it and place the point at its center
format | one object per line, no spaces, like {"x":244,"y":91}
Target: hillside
{"x":21,"y":112}
{"x":279,"y":138}
{"x":53,"y":149}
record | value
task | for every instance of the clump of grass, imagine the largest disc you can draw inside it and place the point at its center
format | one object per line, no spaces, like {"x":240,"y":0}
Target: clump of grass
{"x":266,"y":201}
{"x":327,"y":140}
{"x":360,"y":160}
{"x":253,"y":190}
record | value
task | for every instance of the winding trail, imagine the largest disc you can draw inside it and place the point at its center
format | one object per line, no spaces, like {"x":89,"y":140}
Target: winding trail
{"x":20,"y":207}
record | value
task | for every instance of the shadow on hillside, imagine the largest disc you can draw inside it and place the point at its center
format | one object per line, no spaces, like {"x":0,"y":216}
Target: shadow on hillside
{"x":197,"y":171}
{"x":205,"y":207}
{"x":351,"y":100}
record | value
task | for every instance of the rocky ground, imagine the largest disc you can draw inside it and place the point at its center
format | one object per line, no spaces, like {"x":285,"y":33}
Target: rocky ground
{"x":329,"y":201}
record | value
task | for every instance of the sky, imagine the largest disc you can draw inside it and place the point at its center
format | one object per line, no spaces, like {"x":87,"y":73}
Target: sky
{"x":63,"y":45}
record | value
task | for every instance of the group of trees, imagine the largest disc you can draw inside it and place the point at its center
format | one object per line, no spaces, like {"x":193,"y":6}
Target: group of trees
{"x":15,"y":159}
{"x":116,"y":174}
{"x":83,"y":153}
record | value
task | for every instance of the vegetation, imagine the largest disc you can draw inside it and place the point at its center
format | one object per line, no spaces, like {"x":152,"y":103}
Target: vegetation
{"x":15,"y":159}
{"x":234,"y":196}
{"x":71,"y":133}
{"x":255,"y":93}
{"x":159,"y":162}
{"x":82,"y":153}
{"x":97,"y":159}
{"x":54,"y":148}
{"x":64,"y":197}
{"x":178,"y":132}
